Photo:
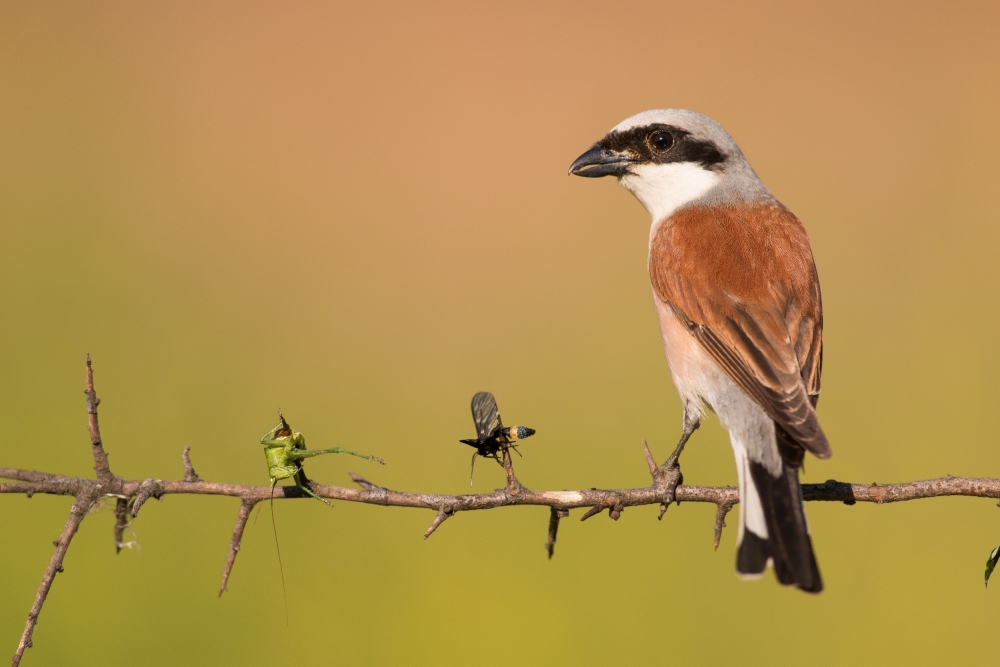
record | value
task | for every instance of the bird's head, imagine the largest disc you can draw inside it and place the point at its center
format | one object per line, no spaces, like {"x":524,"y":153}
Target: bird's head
{"x":669,"y":158}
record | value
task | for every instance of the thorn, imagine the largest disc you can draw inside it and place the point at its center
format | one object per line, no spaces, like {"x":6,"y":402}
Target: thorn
{"x":514,"y":486}
{"x":554,"y":516}
{"x":441,"y":517}
{"x":149,"y":488}
{"x":189,"y":474}
{"x":720,"y":521}
{"x":596,"y":509}
{"x":650,"y":461}
{"x":121,"y":523}
{"x":379,"y":494}
{"x":364,"y":483}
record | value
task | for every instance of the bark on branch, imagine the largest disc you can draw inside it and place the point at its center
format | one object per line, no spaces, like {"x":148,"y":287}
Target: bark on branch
{"x":829,"y":491}
{"x":133,"y":493}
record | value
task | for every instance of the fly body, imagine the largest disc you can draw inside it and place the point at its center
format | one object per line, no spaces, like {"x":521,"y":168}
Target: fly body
{"x":492,"y":437}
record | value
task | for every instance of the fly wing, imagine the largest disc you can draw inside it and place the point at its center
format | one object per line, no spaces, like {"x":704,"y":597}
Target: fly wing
{"x":485,"y":414}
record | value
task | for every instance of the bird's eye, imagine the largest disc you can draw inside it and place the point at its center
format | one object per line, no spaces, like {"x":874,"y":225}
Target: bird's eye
{"x":660,"y":141}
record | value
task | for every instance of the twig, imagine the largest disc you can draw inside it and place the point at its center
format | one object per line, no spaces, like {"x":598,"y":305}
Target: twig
{"x":234,"y":544}
{"x":101,"y":465}
{"x":76,"y":514}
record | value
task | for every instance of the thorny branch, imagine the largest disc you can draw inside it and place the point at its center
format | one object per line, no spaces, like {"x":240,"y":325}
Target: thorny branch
{"x":133,"y":493}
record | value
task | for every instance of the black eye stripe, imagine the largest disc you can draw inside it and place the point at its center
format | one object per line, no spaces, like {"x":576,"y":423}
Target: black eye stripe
{"x":683,"y":148}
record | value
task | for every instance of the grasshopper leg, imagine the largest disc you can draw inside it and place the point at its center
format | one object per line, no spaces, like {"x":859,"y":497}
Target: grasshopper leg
{"x":301,"y":483}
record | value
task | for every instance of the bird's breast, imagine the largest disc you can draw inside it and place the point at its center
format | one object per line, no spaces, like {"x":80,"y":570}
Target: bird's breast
{"x":696,"y":375}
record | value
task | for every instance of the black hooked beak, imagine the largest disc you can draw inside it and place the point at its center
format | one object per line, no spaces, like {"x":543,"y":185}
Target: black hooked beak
{"x":600,"y":161}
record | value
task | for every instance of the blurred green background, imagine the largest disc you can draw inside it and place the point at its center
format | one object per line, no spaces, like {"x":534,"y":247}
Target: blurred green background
{"x":360,"y":213}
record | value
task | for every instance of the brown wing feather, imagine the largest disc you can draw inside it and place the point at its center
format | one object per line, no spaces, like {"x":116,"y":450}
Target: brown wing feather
{"x":743,"y":281}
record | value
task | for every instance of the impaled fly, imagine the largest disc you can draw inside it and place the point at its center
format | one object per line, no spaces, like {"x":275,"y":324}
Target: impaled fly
{"x":492,"y":437}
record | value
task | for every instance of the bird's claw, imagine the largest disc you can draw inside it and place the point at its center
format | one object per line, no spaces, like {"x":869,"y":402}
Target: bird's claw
{"x":671,"y":477}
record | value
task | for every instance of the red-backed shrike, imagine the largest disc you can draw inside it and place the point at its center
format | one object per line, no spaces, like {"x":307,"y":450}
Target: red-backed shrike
{"x":738,"y":299}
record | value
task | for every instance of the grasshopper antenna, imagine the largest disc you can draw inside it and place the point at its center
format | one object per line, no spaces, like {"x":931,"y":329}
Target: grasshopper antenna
{"x":259,"y":505}
{"x":277,"y":548}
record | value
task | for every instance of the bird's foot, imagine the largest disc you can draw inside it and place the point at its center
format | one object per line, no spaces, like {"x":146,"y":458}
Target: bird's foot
{"x":670,"y":476}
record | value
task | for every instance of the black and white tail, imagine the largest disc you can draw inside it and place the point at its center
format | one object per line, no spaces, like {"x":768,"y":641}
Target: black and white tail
{"x":772,"y":518}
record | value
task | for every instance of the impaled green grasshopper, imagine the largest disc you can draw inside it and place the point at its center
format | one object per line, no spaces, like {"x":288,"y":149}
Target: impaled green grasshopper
{"x":285,"y":448}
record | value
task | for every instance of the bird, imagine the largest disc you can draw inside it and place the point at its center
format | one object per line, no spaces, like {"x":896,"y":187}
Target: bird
{"x":738,"y":300}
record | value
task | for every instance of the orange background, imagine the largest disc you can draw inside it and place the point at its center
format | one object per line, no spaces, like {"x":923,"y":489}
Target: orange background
{"x":361,"y":214}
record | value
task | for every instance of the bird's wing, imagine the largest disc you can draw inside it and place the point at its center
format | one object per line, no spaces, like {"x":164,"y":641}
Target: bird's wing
{"x":743,"y":281}
{"x":485,"y":414}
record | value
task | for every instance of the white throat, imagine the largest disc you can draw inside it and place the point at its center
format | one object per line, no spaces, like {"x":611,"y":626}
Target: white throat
{"x":664,"y":188}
